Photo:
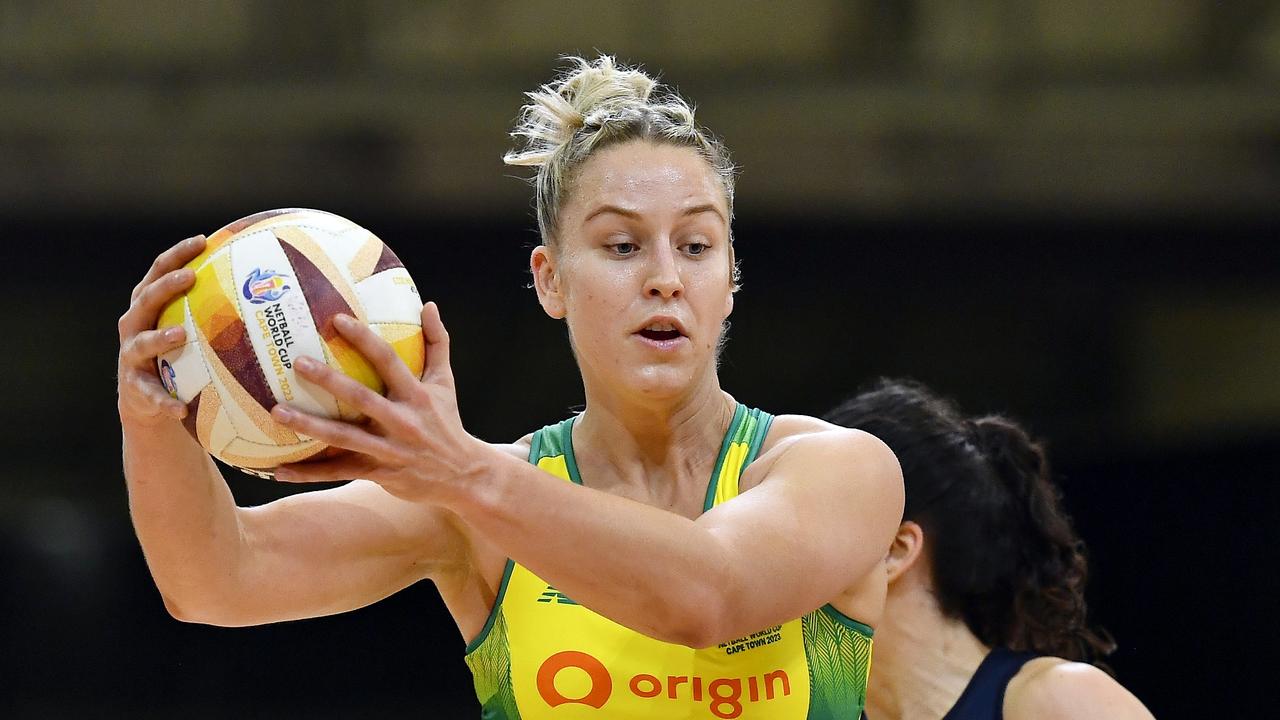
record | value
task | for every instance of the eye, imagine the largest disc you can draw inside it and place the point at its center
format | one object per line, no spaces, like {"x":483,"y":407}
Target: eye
{"x":696,"y":248}
{"x":623,"y":248}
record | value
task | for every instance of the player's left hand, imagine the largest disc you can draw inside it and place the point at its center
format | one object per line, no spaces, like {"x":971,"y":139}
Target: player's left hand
{"x":414,"y":444}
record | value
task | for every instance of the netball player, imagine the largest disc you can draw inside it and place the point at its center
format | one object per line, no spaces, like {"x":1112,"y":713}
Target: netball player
{"x":985,"y":617}
{"x":668,"y":552}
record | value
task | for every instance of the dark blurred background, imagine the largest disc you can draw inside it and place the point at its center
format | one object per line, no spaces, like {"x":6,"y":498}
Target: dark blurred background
{"x":1063,"y":210}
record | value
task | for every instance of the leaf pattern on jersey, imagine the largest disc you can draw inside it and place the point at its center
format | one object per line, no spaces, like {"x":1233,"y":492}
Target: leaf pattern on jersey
{"x":490,"y":665}
{"x":839,"y":662}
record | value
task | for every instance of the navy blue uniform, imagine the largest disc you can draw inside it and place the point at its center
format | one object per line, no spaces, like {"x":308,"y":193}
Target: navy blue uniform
{"x":983,"y":697}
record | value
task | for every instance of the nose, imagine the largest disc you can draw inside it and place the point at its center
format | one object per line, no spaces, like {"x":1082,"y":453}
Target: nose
{"x":664,"y":275}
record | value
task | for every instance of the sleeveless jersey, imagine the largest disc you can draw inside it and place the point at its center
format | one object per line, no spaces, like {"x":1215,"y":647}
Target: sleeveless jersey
{"x":542,"y":656}
{"x":983,"y":697}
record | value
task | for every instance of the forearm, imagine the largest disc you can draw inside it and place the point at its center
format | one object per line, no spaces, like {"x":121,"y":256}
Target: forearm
{"x":648,"y":569}
{"x":184,"y":516}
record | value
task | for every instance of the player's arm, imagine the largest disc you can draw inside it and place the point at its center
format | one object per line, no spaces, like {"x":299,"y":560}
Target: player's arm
{"x":816,"y":525}
{"x":819,"y":521}
{"x":303,"y":556}
{"x":1054,"y":689}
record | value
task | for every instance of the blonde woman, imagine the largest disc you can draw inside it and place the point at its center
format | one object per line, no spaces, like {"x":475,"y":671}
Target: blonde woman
{"x":668,"y":552}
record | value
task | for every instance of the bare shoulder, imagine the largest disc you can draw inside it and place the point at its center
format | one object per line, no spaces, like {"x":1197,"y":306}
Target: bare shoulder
{"x":820,"y":449}
{"x":809,"y":435}
{"x":788,"y":427}
{"x":1057,"y":689}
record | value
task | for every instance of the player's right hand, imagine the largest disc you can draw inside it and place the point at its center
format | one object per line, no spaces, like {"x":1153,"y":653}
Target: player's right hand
{"x":142,"y":399}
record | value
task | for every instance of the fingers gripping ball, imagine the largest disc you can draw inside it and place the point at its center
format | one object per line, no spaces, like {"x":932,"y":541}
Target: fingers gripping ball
{"x":266,"y":291}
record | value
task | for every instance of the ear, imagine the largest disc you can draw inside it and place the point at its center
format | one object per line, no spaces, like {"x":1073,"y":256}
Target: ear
{"x":907,"y":546}
{"x":546,"y":281}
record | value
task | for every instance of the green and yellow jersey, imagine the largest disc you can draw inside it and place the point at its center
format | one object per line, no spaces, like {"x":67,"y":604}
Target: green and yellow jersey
{"x":543,"y":656}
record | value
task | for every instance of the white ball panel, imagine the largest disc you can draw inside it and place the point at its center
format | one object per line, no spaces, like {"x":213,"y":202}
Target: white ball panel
{"x":187,"y":373}
{"x":277,"y":320}
{"x":341,"y":246}
{"x":223,"y":432}
{"x":390,"y":297}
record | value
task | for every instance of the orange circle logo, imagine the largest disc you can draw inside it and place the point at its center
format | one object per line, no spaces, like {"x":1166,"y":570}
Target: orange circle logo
{"x":601,"y":683}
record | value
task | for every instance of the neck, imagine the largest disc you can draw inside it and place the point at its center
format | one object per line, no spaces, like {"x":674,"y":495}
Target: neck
{"x":649,"y":436}
{"x":923,"y":660}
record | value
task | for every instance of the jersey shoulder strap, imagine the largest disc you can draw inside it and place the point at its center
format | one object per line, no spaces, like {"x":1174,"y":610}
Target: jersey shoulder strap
{"x":552,"y":450}
{"x":741,"y":445}
{"x":983,"y":697}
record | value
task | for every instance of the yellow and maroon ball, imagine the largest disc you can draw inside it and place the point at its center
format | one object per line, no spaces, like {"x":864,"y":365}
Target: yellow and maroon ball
{"x":266,"y":291}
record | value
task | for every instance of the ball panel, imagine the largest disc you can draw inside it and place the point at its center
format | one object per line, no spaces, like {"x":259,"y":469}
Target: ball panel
{"x":318,"y":220}
{"x":235,"y":351}
{"x":221,"y":432}
{"x":247,"y":454}
{"x":387,"y":260}
{"x":407,"y":341}
{"x":328,"y":295}
{"x":210,"y":297}
{"x":346,"y":413}
{"x":182,"y":370}
{"x":201,"y":413}
{"x":246,"y":413}
{"x":343,"y":356}
{"x":322,"y":286}
{"x":173,"y":314}
{"x":192,"y":420}
{"x":272,"y":301}
{"x":228,"y":233}
{"x":361,"y":265}
{"x":390,"y":297}
{"x":331,"y":242}
{"x":343,"y":247}
{"x":260,"y":218}
{"x":321,"y":452}
{"x":322,"y":280}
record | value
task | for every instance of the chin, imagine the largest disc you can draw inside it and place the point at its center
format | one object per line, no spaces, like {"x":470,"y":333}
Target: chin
{"x":662,"y":382}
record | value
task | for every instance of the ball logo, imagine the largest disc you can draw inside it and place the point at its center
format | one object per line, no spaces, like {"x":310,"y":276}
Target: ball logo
{"x":264,"y":286}
{"x":168,"y":378}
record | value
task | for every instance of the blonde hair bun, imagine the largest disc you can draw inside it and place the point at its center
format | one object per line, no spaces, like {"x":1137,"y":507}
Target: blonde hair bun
{"x":586,"y":94}
{"x":594,"y":104}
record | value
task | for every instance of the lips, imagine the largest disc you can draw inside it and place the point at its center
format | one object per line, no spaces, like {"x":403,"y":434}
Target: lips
{"x":661,"y":329}
{"x":663,"y":333}
{"x":660,"y":335}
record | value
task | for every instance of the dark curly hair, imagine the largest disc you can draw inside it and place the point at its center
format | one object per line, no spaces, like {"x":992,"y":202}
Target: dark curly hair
{"x":1005,"y":558}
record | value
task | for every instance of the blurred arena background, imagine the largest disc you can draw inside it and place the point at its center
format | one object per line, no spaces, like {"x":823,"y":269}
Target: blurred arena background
{"x":1062,"y":210}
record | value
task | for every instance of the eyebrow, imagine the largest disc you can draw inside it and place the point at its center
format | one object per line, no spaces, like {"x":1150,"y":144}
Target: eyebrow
{"x":611,"y":209}
{"x":632,"y":214}
{"x":706,"y":207}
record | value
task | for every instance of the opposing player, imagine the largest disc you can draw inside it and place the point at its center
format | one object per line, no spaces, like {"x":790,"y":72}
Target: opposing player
{"x":668,"y":552}
{"x":985,"y":615}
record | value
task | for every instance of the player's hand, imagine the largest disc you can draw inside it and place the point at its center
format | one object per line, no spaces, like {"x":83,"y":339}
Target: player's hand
{"x":142,"y":399}
{"x":414,"y":445}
